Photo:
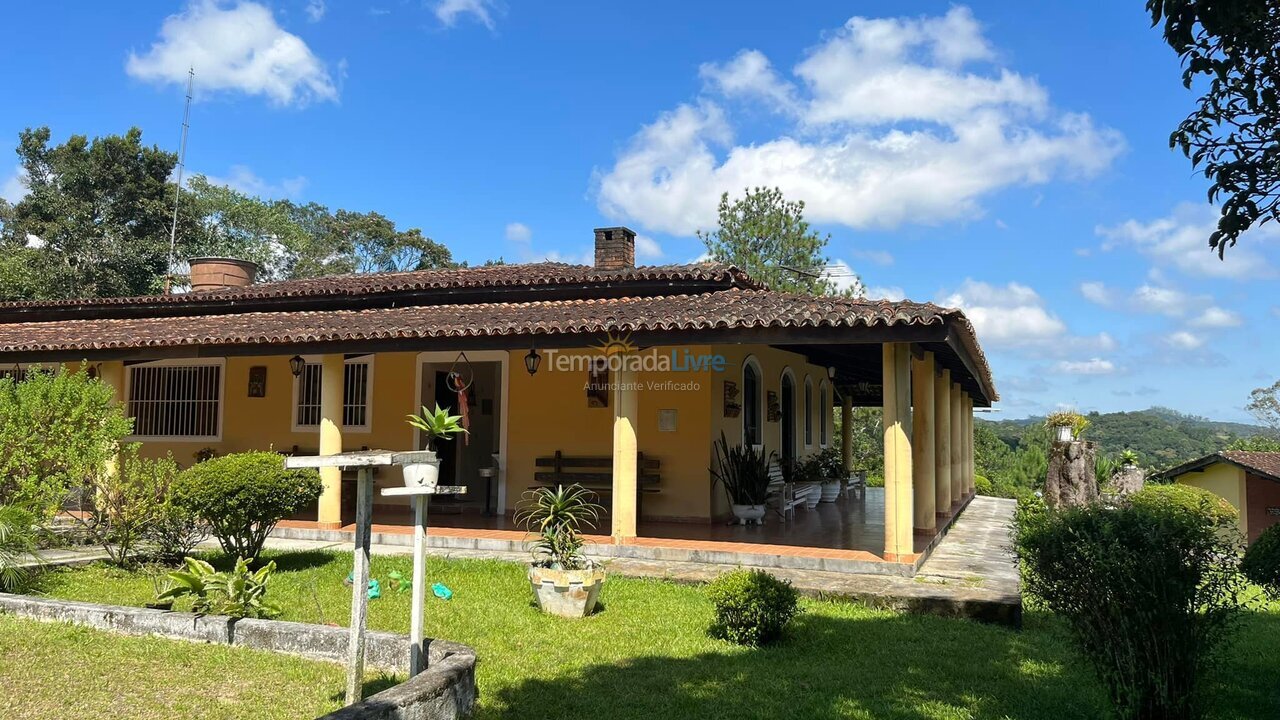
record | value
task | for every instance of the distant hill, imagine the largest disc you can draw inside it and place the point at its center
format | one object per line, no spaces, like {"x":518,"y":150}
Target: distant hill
{"x":1161,"y":437}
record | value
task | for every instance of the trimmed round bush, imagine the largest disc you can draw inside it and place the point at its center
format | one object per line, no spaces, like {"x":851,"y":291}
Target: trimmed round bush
{"x":1261,"y":564}
{"x":1149,"y":591}
{"x":982,"y":485}
{"x":1188,"y":499}
{"x":242,"y":496}
{"x":752,"y":607}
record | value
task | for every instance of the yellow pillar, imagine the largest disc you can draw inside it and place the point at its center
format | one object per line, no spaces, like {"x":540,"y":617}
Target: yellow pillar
{"x":968,"y":445}
{"x":625,"y":411}
{"x":898,"y":546}
{"x":846,"y":432}
{"x":942,"y":442}
{"x":922,"y":444}
{"x":112,"y":373}
{"x":957,"y":446}
{"x":331,"y":377}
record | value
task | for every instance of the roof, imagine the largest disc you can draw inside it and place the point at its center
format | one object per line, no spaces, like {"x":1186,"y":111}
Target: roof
{"x":1266,"y":464}
{"x":492,"y":306}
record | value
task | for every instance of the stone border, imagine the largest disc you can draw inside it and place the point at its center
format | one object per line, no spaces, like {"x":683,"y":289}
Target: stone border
{"x":444,"y":691}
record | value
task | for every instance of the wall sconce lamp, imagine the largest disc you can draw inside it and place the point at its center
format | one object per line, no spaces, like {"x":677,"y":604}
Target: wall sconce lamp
{"x":532,"y":360}
{"x":296,"y":363}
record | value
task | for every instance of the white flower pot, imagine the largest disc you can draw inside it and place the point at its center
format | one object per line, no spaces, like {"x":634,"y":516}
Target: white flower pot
{"x":812,"y":491}
{"x":830,"y":490}
{"x":420,"y":469}
{"x":748,"y":514}
{"x":1062,"y":433}
{"x":567,"y":593}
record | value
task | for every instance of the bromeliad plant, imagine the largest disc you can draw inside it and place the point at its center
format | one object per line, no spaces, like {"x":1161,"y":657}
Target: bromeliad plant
{"x":238,"y":593}
{"x":558,"y":517}
{"x":437,"y":424}
{"x":1069,"y":419}
{"x":743,"y":471}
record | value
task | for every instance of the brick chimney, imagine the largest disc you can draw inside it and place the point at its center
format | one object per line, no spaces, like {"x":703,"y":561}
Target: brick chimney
{"x":615,"y":248}
{"x":215,"y":273}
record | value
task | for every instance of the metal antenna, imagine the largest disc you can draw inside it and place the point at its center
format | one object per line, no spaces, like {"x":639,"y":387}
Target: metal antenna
{"x":177,"y":188}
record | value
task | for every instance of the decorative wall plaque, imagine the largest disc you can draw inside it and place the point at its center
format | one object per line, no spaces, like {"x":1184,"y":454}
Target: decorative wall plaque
{"x":731,"y":405}
{"x":258,"y":381}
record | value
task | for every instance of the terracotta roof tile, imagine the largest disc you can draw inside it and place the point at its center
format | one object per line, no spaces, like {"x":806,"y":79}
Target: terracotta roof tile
{"x":1265,"y":463}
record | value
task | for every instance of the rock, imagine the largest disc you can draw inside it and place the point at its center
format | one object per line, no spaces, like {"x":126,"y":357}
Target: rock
{"x":1128,"y":479}
{"x":1071,"y":481}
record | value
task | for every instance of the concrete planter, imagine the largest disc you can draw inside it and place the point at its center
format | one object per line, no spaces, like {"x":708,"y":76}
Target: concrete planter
{"x":1062,"y":433}
{"x":420,"y":469}
{"x":830,"y":490}
{"x":748,"y":514}
{"x":813,"y":493}
{"x":567,"y":593}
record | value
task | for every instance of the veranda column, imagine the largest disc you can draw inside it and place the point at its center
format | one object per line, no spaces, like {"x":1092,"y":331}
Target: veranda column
{"x":112,"y":373}
{"x":968,"y":444}
{"x":897,"y":452}
{"x":332,"y":368}
{"x":846,"y":432}
{"x":625,"y":411}
{"x":942,"y":443}
{"x":924,"y":498}
{"x":957,"y":447}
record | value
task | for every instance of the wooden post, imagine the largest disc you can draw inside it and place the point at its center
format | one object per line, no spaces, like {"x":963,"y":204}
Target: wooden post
{"x":359,"y":587}
{"x":924,"y":496}
{"x":417,"y":653}
{"x":942,"y":443}
{"x":898,"y":540}
{"x":625,"y":459}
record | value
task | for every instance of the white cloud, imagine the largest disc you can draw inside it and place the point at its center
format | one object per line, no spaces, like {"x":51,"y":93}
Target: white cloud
{"x":234,"y":49}
{"x":1097,"y":293}
{"x":448,"y":12}
{"x":886,"y":292}
{"x":1161,"y":300}
{"x":1095,"y":366}
{"x":1008,"y":315}
{"x":1216,"y":317}
{"x":1181,"y":241}
{"x":888,"y":124}
{"x":842,"y":276}
{"x":879,"y":257}
{"x":14,"y":187}
{"x":1184,"y":340}
{"x":315,"y":10}
{"x":518,"y":232}
{"x":244,"y":179}
{"x":647,"y":248}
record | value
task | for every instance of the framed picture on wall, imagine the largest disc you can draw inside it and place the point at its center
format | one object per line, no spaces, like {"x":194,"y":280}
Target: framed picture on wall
{"x":773,"y":408}
{"x":258,"y":381}
{"x":731,"y":405}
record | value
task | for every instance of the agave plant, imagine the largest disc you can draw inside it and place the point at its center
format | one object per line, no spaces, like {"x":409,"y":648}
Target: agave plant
{"x":17,"y":547}
{"x":558,"y":516}
{"x":1129,"y":457}
{"x":744,"y":472}
{"x":437,"y":423}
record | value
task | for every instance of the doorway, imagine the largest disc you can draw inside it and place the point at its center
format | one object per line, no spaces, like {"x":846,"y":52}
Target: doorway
{"x":473,"y":460}
{"x":788,"y":420}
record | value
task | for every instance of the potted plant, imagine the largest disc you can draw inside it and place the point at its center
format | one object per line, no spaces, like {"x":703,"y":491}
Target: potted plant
{"x":422,"y":468}
{"x":831,"y":470}
{"x":744,"y":473}
{"x":1066,"y":425}
{"x":565,"y":582}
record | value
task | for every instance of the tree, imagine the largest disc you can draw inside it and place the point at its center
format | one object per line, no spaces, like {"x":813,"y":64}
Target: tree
{"x":767,"y":235}
{"x":95,"y":221}
{"x":1234,"y":46}
{"x":1264,"y":404}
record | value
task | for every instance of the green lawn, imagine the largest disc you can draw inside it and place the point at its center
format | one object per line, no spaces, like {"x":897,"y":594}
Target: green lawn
{"x":647,"y":654}
{"x":57,"y":670}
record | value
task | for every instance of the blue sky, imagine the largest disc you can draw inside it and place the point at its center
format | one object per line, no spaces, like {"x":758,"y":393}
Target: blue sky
{"x":1010,"y":158}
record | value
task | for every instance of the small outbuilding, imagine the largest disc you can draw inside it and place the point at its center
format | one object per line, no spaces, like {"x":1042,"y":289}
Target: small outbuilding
{"x":1250,"y":481}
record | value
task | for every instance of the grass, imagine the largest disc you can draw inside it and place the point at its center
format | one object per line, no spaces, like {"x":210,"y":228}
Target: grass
{"x":647,"y":654}
{"x":57,"y":670}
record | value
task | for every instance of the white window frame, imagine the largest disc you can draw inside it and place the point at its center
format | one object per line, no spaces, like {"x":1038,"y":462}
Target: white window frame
{"x":825,"y":409}
{"x":221,"y":363}
{"x":367,"y":427}
{"x":751,"y":361}
{"x":807,"y":402}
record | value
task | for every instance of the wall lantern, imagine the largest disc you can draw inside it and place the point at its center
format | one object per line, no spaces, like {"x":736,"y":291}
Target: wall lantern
{"x":296,"y":363}
{"x":532,"y":360}
{"x":831,"y":373}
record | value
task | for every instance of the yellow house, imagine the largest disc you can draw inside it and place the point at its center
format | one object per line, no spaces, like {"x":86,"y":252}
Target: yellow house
{"x":631,"y":372}
{"x":1250,"y":481}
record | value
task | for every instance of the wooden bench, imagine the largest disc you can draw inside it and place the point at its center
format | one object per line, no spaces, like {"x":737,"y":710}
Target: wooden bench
{"x":596,"y":474}
{"x":783,"y":496}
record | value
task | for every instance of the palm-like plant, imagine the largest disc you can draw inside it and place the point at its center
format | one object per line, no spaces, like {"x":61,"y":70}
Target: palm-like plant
{"x":744,"y":472}
{"x":17,"y":547}
{"x":437,"y":423}
{"x":558,"y":516}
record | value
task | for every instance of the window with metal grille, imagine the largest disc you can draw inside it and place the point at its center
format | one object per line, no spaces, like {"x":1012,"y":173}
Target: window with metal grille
{"x":808,"y":411}
{"x":356,"y":385}
{"x":176,"y":400}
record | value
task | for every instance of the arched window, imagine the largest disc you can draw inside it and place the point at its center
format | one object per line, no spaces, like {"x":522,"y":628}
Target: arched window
{"x":808,"y":412}
{"x":788,"y":451}
{"x":751,"y":393}
{"x":824,"y":414}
